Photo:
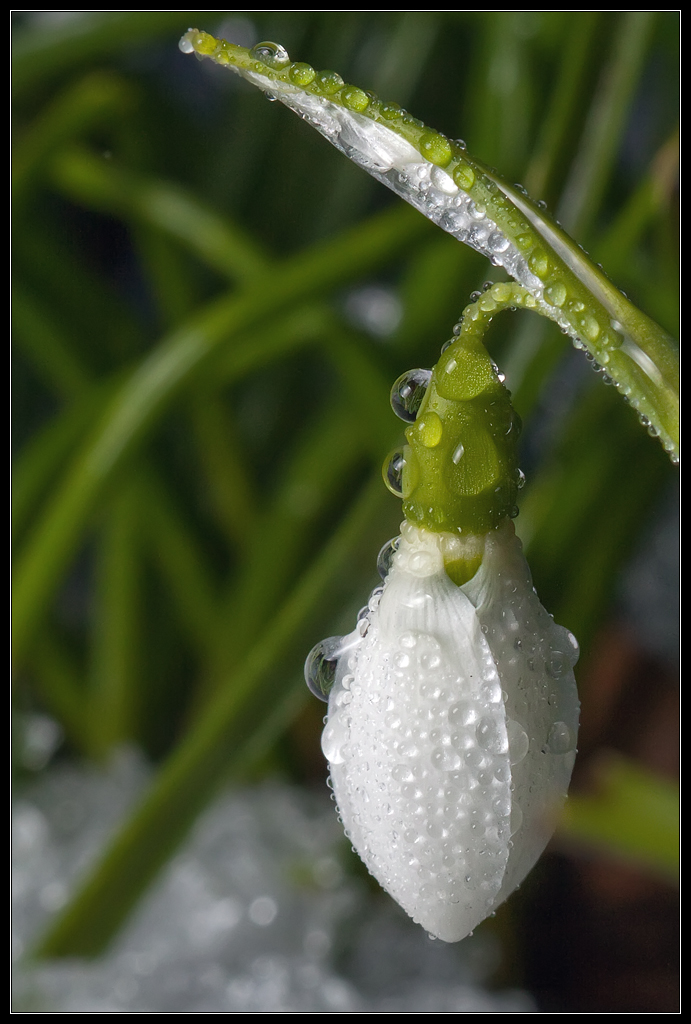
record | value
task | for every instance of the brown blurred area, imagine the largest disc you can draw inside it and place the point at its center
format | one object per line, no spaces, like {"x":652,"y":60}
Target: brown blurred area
{"x":603,"y":934}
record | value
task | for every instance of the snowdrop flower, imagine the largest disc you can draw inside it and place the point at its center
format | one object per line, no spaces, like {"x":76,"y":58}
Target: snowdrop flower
{"x":453,"y":712}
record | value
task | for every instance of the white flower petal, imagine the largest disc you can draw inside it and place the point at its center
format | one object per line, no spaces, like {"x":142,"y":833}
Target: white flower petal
{"x":451,"y":731}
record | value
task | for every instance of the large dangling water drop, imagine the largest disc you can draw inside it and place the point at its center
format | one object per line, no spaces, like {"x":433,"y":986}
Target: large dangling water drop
{"x":408,"y":392}
{"x":321,"y":666}
{"x":400,"y":460}
{"x":272,"y":54}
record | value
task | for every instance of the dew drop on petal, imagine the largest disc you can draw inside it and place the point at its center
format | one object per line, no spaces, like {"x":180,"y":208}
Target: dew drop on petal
{"x":334,"y":739}
{"x":560,"y":740}
{"x":321,"y":665}
{"x":386,"y":555}
{"x":489,"y":735}
{"x":518,"y":741}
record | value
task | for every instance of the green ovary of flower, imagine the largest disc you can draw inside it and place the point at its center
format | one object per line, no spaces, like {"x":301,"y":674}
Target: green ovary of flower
{"x":460,"y":473}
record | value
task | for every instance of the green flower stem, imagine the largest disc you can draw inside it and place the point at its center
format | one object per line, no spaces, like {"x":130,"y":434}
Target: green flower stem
{"x":460,"y":472}
{"x":230,"y":723}
{"x":400,"y":151}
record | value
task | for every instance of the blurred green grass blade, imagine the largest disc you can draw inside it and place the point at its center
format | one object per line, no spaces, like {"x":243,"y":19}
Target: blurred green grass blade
{"x":582,"y":512}
{"x":366,"y":388}
{"x":81,"y":299}
{"x":48,"y":452}
{"x":173,"y":289}
{"x":101,"y":185}
{"x":39,"y":52}
{"x":57,"y":680}
{"x":400,"y":65}
{"x":499,"y":113}
{"x":632,"y":815}
{"x":115,"y":639}
{"x":45,"y":344}
{"x":535,"y":352}
{"x":434,"y":290}
{"x":206,"y":755}
{"x":226,"y":477}
{"x":641,"y":245}
{"x":323,"y":461}
{"x":79,"y":107}
{"x":564,"y":104}
{"x":349,"y":431}
{"x":160,"y":377}
{"x":182,"y":563}
{"x":585,"y":188}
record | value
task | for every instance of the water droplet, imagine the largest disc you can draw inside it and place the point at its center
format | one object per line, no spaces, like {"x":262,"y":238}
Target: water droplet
{"x":541,"y":204}
{"x":329,"y":82}
{"x":273,"y":55}
{"x":520,"y":478}
{"x":390,"y":111}
{"x":590,"y":327}
{"x":427,"y":430}
{"x":386,"y":556}
{"x":557,"y":664}
{"x":560,"y":740}
{"x":301,"y":74}
{"x":538,"y":263}
{"x":458,"y":453}
{"x":436,"y":148}
{"x":354,"y":98}
{"x":334,"y":738}
{"x":393,"y":472}
{"x":185,"y":45}
{"x":408,"y":392}
{"x":497,"y":242}
{"x":489,"y":735}
{"x":321,"y":666}
{"x":516,"y":819}
{"x":555,"y":293}
{"x":463,"y":174}
{"x":518,"y":741}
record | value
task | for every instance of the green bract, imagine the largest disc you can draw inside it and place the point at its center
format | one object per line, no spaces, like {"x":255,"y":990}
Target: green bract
{"x":471,"y":202}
